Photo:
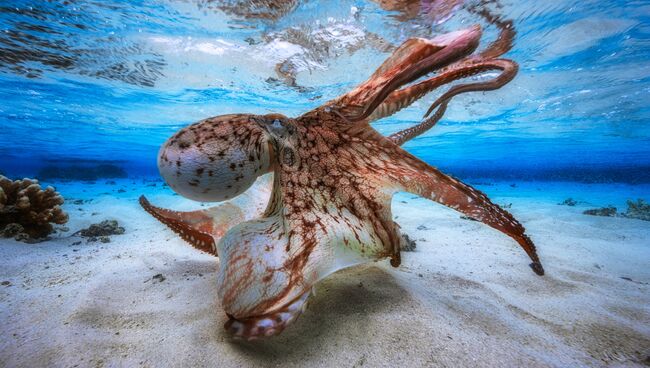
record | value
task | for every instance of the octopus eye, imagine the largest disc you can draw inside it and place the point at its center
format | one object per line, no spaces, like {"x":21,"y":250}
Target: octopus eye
{"x":216,"y":159}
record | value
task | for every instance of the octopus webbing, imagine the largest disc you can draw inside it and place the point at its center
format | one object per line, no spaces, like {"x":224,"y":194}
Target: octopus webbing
{"x":311,"y":195}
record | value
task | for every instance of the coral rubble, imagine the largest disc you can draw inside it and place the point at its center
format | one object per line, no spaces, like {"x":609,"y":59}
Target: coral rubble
{"x":28,"y":211}
{"x":638,"y":210}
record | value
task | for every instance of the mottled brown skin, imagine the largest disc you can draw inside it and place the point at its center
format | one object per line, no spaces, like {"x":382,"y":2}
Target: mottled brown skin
{"x":333,"y":180}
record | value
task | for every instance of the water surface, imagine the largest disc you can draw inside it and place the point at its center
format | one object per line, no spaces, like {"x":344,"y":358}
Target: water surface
{"x":98,"y":80}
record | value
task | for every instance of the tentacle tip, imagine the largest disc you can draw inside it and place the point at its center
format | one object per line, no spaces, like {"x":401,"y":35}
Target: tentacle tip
{"x":537,"y":268}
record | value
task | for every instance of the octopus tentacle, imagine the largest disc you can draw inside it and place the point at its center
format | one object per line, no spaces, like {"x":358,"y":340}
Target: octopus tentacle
{"x":484,"y":61}
{"x":509,"y":71}
{"x":411,"y":61}
{"x":424,"y":180}
{"x":204,"y":228}
{"x":404,"y":97}
{"x":403,"y":136}
{"x":195,"y":227}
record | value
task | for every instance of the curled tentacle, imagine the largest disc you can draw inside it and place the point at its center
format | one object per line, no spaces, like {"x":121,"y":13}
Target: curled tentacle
{"x":407,"y":134}
{"x":484,"y":61}
{"x":509,"y":70}
{"x":404,"y":97}
{"x":414,"y":59}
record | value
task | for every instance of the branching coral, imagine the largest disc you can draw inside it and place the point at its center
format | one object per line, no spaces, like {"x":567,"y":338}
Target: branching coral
{"x":27,"y":211}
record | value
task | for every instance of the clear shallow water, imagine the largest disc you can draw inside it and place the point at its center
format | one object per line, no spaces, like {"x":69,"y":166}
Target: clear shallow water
{"x":98,"y":80}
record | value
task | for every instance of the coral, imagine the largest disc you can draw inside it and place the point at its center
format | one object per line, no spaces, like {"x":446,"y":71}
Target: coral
{"x":638,"y":210}
{"x":609,"y":211}
{"x":569,"y":202}
{"x":27,"y":211}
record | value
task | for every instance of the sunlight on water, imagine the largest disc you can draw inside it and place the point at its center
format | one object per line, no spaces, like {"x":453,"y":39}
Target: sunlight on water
{"x":97,"y":79}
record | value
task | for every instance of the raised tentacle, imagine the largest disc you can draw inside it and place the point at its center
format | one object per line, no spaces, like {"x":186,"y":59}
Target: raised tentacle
{"x":509,"y":71}
{"x":482,"y":62}
{"x":404,"y":97}
{"x":414,"y":59}
{"x":407,"y":134}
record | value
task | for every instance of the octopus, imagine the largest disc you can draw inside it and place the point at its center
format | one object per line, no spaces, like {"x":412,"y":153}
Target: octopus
{"x":310,"y":195}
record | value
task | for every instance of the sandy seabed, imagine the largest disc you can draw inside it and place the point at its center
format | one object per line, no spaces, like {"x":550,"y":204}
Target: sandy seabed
{"x":464,"y":298}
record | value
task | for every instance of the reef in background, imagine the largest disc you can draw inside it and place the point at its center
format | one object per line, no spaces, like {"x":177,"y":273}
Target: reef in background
{"x":85,"y":173}
{"x":637,"y":210}
{"x":27,"y":211}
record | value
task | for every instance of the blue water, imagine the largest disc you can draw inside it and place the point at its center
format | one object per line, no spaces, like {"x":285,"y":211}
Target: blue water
{"x":112,"y":80}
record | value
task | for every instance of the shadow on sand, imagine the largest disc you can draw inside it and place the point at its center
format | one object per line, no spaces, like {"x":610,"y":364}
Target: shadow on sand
{"x":350,"y":297}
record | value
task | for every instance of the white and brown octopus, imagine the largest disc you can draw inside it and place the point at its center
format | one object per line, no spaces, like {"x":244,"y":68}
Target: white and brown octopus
{"x":311,"y":195}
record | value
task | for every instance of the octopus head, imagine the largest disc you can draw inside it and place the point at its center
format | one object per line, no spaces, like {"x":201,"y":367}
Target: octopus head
{"x":219,"y":158}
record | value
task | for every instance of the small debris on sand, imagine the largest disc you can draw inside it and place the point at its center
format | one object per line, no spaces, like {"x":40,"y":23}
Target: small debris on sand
{"x":609,"y":211}
{"x":158,"y":277}
{"x":634,"y":281}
